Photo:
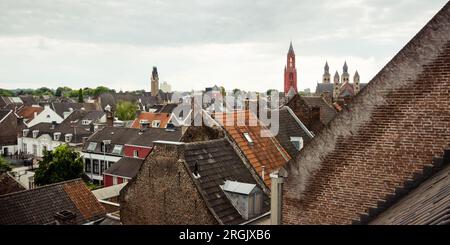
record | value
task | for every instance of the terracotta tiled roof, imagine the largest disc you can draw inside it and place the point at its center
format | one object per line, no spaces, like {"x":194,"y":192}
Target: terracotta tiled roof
{"x":386,"y":138}
{"x":27,"y":112}
{"x":39,"y":205}
{"x":265,"y":152}
{"x":151,"y":116}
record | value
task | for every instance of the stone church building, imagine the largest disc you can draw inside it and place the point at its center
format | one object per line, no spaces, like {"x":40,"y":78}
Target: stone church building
{"x":340,"y":89}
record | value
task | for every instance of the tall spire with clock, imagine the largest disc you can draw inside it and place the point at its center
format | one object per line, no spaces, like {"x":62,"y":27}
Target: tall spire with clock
{"x":290,"y":72}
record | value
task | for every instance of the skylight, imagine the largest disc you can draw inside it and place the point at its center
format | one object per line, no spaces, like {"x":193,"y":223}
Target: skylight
{"x":117,"y":149}
{"x":92,"y":146}
{"x":248,"y":138}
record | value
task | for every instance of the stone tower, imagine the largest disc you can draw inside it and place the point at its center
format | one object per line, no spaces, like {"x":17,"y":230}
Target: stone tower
{"x":326,"y":74}
{"x":345,"y":75}
{"x":290,"y":72}
{"x":336,"y":85}
{"x":356,"y":86}
{"x":155,"y":82}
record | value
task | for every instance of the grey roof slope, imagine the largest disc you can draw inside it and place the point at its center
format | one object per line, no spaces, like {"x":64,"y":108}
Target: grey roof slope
{"x":126,"y":167}
{"x":329,"y":87}
{"x":8,"y":184}
{"x":132,"y":136}
{"x":428,"y":204}
{"x":289,"y":127}
{"x":217,"y":161}
{"x":327,"y":112}
{"x":39,"y":205}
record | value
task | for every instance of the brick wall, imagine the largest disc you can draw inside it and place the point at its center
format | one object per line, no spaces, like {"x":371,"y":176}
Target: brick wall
{"x":392,"y":130}
{"x":163,"y":192}
{"x":310,"y":116}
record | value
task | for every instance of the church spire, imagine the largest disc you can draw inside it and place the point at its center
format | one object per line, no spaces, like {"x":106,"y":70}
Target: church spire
{"x":291,"y":49}
{"x":345,"y":68}
{"x":326,"y":68}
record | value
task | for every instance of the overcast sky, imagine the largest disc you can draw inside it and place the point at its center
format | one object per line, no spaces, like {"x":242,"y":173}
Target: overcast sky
{"x":233,"y":43}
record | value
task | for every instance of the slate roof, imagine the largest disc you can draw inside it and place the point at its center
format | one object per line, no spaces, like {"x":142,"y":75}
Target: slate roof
{"x":132,"y":136}
{"x":9,"y":185}
{"x":61,"y":107}
{"x":66,"y":127}
{"x":125,"y":167}
{"x":329,"y":87}
{"x":150,"y":117}
{"x":327,"y":112}
{"x":217,"y":162}
{"x":428,"y":204}
{"x":265,"y":152}
{"x":290,"y":127}
{"x":9,"y":127}
{"x":38,"y":206}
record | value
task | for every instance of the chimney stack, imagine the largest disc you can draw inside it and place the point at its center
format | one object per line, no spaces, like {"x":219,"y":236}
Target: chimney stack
{"x":65,"y":217}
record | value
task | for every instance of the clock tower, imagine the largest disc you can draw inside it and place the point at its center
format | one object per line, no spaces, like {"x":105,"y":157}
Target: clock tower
{"x":290,"y":73}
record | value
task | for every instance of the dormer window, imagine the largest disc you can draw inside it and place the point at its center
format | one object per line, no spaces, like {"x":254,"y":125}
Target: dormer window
{"x":248,"y":138}
{"x":135,"y":153}
{"x":35,"y":133}
{"x":117,"y":149}
{"x":56,"y":136}
{"x":156,"y":123}
{"x":68,"y":138}
{"x":25,"y":132}
{"x":92,"y":146}
{"x":86,"y":122}
{"x":298,"y":142}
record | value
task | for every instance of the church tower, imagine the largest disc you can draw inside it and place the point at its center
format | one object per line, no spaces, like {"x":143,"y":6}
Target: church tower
{"x":290,"y":72}
{"x":336,"y":86}
{"x":155,"y":82}
{"x":345,"y":74}
{"x":356,"y":86}
{"x":326,"y":74}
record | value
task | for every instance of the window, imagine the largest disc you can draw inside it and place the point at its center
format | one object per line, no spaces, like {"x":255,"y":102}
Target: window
{"x":56,"y":136}
{"x":24,"y":148}
{"x":156,"y":123}
{"x":135,"y":153}
{"x":110,"y":164}
{"x":48,"y":116}
{"x":85,"y":122}
{"x":95,"y":164}
{"x":102,"y":166}
{"x":35,"y":133}
{"x":117,"y":149}
{"x":114,"y":180}
{"x":92,"y":146}
{"x":25,"y":132}
{"x":87,"y":165}
{"x":35,"y":150}
{"x":44,"y":149}
{"x":298,"y":142}
{"x":68,"y":138}
{"x":291,"y":77}
{"x":248,"y":138}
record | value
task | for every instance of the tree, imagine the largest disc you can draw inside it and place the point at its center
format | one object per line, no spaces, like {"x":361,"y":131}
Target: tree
{"x":6,"y":93}
{"x":59,"y":92}
{"x":58,"y":165}
{"x":126,"y":110}
{"x":222,"y":91}
{"x":80,"y":96}
{"x":236,"y":91}
{"x":100,"y":90}
{"x":4,"y":165}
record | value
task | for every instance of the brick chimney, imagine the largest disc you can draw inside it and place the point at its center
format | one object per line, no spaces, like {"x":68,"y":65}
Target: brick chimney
{"x":65,"y":217}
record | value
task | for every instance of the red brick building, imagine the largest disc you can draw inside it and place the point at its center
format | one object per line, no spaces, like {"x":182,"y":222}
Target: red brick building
{"x":290,"y":72}
{"x":389,"y":139}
